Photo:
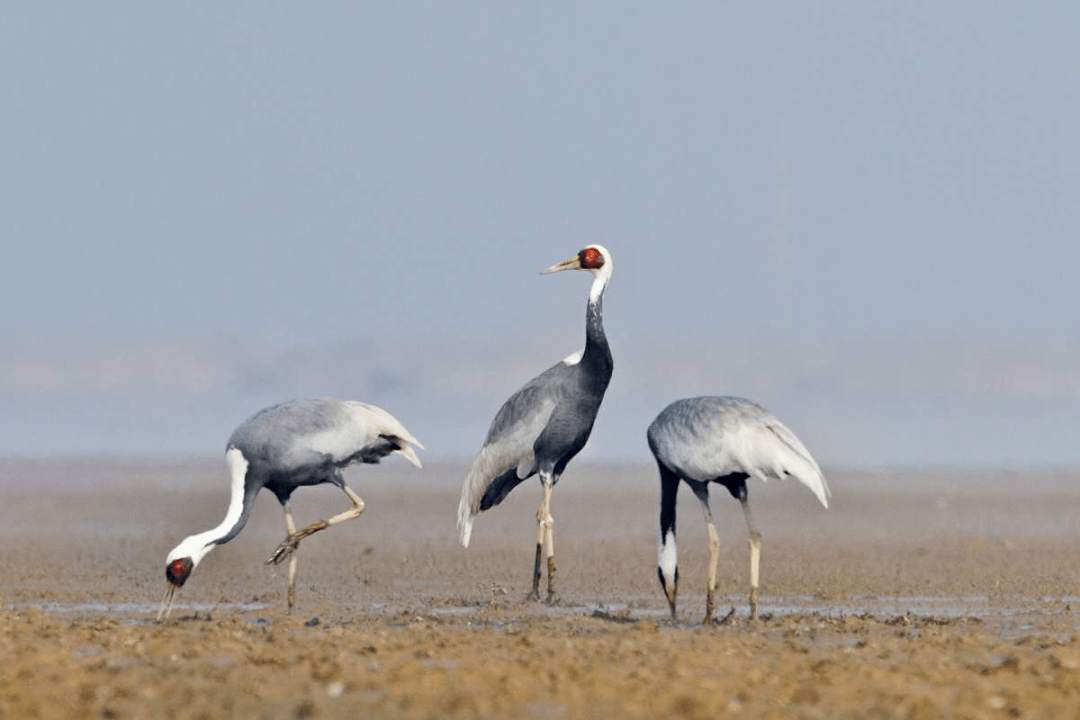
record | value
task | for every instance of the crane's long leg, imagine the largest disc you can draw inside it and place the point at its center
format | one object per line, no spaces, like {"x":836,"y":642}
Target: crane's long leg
{"x":714,"y":560}
{"x":292,"y":541}
{"x":702,"y":493}
{"x":545,"y":542}
{"x":537,"y":572}
{"x":290,"y":528}
{"x":549,"y":542}
{"x":755,"y":555}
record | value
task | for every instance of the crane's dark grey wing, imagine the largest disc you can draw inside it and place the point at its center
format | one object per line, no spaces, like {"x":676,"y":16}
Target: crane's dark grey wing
{"x":709,"y":437}
{"x":507,"y":455}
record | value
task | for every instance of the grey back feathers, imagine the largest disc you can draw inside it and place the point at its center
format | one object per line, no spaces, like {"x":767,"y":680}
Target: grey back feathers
{"x":301,"y":434}
{"x":308,"y":442}
{"x":704,"y":438}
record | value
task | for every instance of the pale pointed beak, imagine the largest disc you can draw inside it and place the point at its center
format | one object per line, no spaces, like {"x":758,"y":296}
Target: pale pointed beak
{"x":671,"y":601}
{"x":573,"y":263}
{"x":167,"y":602}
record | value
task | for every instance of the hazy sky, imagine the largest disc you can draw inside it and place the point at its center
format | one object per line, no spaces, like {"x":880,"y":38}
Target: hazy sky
{"x":863,"y":215}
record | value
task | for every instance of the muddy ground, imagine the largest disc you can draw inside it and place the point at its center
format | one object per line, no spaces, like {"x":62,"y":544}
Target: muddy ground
{"x":917,"y":594}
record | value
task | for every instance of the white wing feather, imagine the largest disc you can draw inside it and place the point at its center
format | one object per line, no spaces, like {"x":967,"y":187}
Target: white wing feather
{"x":366,"y":424}
{"x":766,"y":450}
{"x":386,"y":424}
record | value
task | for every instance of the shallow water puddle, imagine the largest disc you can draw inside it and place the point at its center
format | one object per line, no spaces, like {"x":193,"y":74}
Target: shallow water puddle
{"x":130,"y":608}
{"x":1012,"y":611}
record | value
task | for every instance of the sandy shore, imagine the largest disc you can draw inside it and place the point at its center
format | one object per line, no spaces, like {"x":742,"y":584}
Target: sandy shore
{"x":917,"y":594}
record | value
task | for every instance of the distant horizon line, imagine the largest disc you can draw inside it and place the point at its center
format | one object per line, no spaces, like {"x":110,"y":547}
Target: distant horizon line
{"x":171,"y":458}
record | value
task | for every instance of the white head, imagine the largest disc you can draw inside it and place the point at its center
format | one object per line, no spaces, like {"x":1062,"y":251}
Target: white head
{"x":178,"y":566}
{"x":192,"y":550}
{"x":593,"y":258}
{"x":183,"y":558}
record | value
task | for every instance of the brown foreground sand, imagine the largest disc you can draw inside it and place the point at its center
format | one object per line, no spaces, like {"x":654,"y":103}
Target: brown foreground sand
{"x":918,"y":594}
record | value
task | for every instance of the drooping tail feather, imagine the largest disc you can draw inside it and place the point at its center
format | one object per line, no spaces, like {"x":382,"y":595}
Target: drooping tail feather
{"x":465,"y":517}
{"x":795,"y":460}
{"x":505,"y":460}
{"x":487,"y":483}
{"x":409,"y":454}
{"x":391,"y":428}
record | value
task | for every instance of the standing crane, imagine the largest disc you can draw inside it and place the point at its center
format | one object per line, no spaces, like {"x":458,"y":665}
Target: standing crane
{"x":545,"y":423}
{"x":281,"y":448}
{"x":724,"y":440}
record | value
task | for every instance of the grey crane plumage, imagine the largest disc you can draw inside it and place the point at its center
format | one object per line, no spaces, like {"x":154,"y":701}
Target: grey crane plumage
{"x":282,"y":448}
{"x":542,"y":426}
{"x":725,"y":440}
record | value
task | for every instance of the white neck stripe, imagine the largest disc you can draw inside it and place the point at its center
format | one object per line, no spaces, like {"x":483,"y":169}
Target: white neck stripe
{"x":197,"y":546}
{"x":668,"y":557}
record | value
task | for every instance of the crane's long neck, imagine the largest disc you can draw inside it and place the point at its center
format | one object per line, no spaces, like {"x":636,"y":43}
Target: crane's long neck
{"x":597,"y":352}
{"x":668,"y":553}
{"x":667,"y":556}
{"x":242,"y":497}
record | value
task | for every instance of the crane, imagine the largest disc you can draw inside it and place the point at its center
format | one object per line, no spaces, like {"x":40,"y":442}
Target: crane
{"x":282,"y":448}
{"x":542,"y":426}
{"x":724,"y":440}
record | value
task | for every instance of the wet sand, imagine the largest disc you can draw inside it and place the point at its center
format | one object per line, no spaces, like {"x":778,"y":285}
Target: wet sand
{"x":917,"y":594}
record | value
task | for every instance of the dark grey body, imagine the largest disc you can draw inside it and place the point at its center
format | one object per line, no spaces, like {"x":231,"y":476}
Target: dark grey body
{"x":576,"y":390}
{"x":542,"y":426}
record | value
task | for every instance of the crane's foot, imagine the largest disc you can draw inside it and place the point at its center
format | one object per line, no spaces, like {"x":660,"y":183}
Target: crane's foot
{"x":285,"y":549}
{"x":754,"y":604}
{"x":726,"y":620}
{"x":535,"y":594}
{"x":552,"y":598}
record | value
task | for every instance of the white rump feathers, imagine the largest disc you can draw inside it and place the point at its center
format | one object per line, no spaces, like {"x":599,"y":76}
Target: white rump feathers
{"x":366,"y":424}
{"x":383,"y":423}
{"x":766,"y":452}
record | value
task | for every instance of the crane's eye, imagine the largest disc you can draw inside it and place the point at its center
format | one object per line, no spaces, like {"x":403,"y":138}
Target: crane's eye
{"x":177,"y":571}
{"x":591,"y":258}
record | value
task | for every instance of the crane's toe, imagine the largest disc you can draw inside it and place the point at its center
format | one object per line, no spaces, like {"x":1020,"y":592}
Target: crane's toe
{"x":726,"y":620}
{"x":284,"y":550}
